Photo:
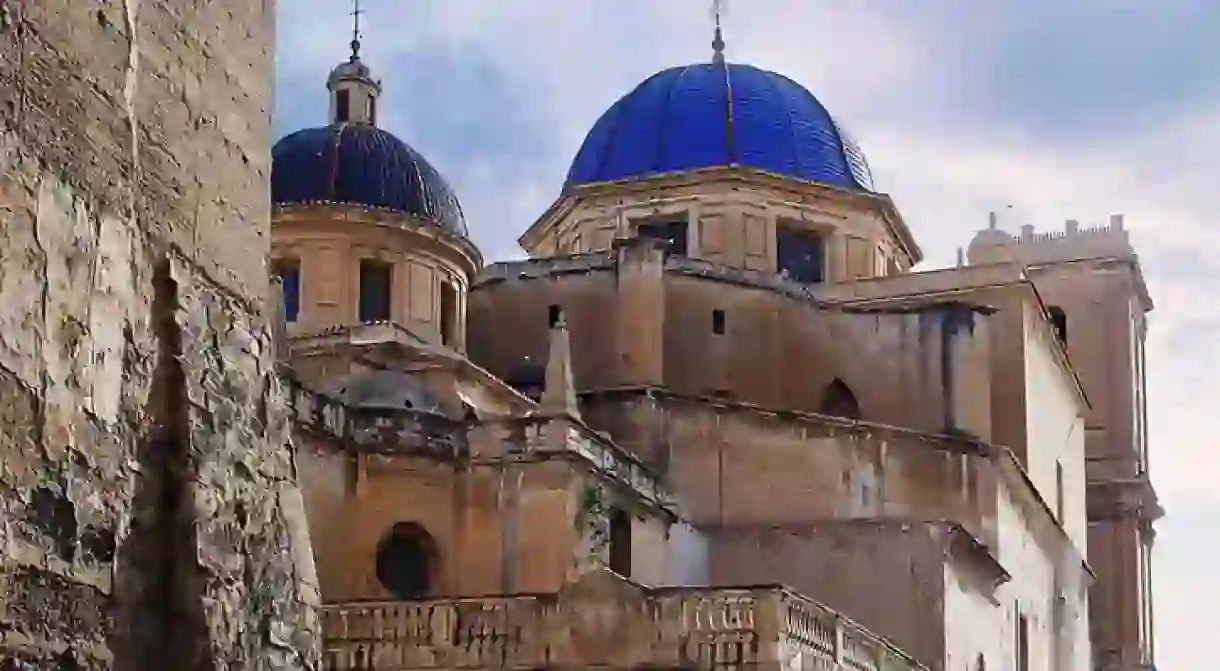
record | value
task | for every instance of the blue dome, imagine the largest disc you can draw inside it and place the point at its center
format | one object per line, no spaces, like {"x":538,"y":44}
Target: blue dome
{"x":713,"y":114}
{"x":360,"y":163}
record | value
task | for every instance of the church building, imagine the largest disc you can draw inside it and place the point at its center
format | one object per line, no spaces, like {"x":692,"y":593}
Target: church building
{"x":715,"y":419}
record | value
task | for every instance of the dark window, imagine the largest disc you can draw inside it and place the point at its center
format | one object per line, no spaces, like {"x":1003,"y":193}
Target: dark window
{"x":372,"y":109}
{"x":980,"y":664}
{"x":718,"y":322}
{"x":527,"y":377}
{"x":406,"y":558}
{"x":343,"y":105}
{"x":1059,"y":320}
{"x":449,"y":314}
{"x":289,"y":271}
{"x":1059,"y":507}
{"x":375,"y":283}
{"x":672,"y":231}
{"x":1022,"y":643}
{"x":553,"y":314}
{"x":801,"y":255}
{"x":839,"y":401}
{"x":620,"y":542}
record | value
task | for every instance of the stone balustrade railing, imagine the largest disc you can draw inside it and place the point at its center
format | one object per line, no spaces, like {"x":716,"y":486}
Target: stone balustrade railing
{"x":390,"y":431}
{"x":766,"y":627}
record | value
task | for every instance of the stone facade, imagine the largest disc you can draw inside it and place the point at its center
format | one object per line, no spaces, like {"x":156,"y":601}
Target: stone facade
{"x":607,"y":456}
{"x":148,"y":499}
{"x":908,"y":448}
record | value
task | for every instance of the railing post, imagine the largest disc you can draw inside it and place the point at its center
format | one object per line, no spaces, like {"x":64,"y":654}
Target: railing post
{"x":840,"y":641}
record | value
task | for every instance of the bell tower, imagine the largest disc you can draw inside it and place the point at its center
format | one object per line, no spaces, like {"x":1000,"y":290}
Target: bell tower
{"x":354,"y":93}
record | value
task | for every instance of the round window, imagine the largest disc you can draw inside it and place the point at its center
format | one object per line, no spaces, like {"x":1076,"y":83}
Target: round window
{"x":405,"y":559}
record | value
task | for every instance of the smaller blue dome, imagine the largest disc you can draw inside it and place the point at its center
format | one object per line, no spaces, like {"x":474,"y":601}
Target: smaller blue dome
{"x":365,"y":165}
{"x":718,"y":114}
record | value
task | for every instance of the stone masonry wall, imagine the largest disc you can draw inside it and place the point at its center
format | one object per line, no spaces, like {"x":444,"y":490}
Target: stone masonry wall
{"x":149,"y":513}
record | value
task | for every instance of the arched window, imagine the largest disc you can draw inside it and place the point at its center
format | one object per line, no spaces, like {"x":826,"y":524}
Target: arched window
{"x":839,"y":401}
{"x":980,"y":664}
{"x":1059,"y":320}
{"x":406,"y":561}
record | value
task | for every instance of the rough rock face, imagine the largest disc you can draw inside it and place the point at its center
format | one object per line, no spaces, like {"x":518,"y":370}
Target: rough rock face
{"x":149,"y":514}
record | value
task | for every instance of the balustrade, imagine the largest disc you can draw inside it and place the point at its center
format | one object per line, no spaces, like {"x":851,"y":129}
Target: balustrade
{"x":670,"y":627}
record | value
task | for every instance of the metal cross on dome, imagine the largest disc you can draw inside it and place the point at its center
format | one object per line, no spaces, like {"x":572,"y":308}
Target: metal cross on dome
{"x":356,"y":12}
{"x":718,"y":10}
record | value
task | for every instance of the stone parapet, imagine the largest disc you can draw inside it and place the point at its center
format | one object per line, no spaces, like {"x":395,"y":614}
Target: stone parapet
{"x":606,"y":622}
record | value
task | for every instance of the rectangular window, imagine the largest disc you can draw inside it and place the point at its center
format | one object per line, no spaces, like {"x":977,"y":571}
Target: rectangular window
{"x":553,"y":314}
{"x":372,"y":109}
{"x":620,"y":542}
{"x":1022,"y":643}
{"x":343,"y":105}
{"x":449,"y":314}
{"x":376,"y":280}
{"x":718,"y":322}
{"x":1059,"y":504}
{"x":671,"y":230}
{"x":801,"y":254}
{"x":289,"y":271}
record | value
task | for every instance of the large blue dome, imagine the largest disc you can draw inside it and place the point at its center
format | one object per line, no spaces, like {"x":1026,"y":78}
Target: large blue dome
{"x":362,"y":164}
{"x":715,"y":114}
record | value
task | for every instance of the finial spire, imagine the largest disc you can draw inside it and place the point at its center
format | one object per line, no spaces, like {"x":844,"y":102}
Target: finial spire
{"x":718,"y":39}
{"x":356,"y":30}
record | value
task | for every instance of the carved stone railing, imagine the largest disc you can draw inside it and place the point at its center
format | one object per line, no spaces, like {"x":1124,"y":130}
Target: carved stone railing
{"x":610,"y":460}
{"x":765,"y":627}
{"x":378,"y":431}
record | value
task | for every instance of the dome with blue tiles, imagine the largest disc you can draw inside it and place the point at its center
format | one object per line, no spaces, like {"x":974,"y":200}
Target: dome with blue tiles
{"x":353,"y":161}
{"x":361,"y":164}
{"x":719,"y":114}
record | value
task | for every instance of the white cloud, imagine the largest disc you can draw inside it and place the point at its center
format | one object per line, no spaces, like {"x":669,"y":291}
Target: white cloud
{"x":890,"y":78}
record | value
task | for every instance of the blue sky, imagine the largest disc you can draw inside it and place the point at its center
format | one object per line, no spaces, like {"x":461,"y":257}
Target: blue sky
{"x":1062,"y":109}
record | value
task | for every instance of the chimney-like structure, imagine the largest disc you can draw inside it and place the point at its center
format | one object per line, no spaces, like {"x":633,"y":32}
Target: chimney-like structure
{"x":559,"y":395}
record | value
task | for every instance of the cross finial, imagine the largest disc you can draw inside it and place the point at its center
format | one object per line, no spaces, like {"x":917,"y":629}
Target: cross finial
{"x":718,"y":39}
{"x":356,"y":12}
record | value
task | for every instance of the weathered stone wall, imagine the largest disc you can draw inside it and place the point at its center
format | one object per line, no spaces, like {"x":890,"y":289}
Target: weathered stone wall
{"x":149,"y":514}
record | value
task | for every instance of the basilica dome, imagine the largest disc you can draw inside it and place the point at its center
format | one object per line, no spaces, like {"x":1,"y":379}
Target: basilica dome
{"x":718,"y":114}
{"x":362,"y":164}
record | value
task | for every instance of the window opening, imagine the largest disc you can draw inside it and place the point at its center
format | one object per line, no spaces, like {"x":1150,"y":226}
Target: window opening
{"x":718,"y":322}
{"x":343,"y":105}
{"x":620,"y":542}
{"x":1060,"y":321}
{"x":289,"y":271}
{"x":839,"y":401}
{"x":553,"y":314}
{"x":1059,"y":506}
{"x":672,"y":231}
{"x":800,"y":254}
{"x":406,"y":558}
{"x":1022,"y":643}
{"x":449,"y":314}
{"x":375,"y":290}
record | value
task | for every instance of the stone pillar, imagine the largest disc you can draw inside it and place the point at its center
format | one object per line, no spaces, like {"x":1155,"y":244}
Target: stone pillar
{"x":559,"y":392}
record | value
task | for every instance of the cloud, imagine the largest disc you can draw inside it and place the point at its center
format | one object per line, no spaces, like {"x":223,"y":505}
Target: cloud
{"x":1063,"y":110}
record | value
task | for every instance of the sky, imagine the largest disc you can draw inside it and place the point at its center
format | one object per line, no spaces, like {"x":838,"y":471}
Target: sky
{"x":1042,"y":109}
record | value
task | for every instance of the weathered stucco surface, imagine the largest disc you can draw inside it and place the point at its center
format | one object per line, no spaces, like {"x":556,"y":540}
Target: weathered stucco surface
{"x":148,"y":505}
